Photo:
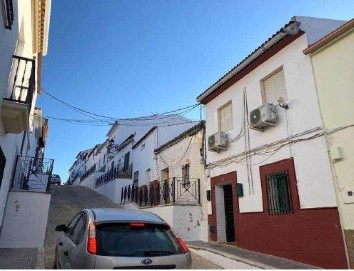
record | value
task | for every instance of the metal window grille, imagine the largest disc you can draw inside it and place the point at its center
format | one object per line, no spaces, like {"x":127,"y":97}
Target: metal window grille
{"x":185,"y":175}
{"x":279,"y":198}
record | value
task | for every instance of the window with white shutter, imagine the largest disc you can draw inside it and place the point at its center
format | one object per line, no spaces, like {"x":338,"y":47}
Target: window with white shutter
{"x":274,"y":87}
{"x":225,"y":117}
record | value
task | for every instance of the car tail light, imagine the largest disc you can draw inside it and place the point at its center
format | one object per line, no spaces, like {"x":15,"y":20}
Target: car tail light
{"x":136,"y":224}
{"x":91,"y":242}
{"x":183,"y":245}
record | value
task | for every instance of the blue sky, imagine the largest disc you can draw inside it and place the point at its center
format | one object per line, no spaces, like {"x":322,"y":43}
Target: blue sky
{"x":127,"y":58}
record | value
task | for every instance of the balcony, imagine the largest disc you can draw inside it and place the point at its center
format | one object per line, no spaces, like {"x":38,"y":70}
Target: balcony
{"x":118,"y":172}
{"x":168,"y":192}
{"x":32,"y":173}
{"x":16,"y":105}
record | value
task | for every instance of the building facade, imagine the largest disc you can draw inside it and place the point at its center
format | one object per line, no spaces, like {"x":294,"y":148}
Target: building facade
{"x":23,"y":131}
{"x":333,"y":66}
{"x":127,"y":169}
{"x":270,"y":181}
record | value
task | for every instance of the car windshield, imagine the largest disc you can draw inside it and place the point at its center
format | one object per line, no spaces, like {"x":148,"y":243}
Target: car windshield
{"x":135,"y":240}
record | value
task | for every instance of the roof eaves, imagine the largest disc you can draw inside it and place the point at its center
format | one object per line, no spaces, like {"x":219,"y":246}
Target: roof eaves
{"x":280,"y":34}
{"x":345,"y":29}
{"x":144,"y":137}
{"x":190,"y":132}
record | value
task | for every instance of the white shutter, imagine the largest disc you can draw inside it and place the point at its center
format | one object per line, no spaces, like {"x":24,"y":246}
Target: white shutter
{"x":274,"y":87}
{"x":225,"y":118}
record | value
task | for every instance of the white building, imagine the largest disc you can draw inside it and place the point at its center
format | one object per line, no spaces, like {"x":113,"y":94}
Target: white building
{"x":127,"y":159}
{"x":23,"y":130}
{"x":270,"y":180}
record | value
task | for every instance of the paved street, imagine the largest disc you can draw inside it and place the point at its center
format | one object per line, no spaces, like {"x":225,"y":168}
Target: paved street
{"x":67,"y":201}
{"x":201,"y":263}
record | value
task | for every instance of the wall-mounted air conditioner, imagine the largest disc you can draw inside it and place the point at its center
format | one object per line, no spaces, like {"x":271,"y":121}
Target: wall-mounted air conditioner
{"x":217,"y":142}
{"x":263,"y":116}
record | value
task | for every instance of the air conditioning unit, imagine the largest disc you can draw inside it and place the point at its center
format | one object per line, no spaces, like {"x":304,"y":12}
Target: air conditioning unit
{"x":217,"y":142}
{"x":263,"y":116}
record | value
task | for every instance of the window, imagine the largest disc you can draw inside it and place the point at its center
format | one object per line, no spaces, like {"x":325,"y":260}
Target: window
{"x":8,"y":13}
{"x":147,"y":176}
{"x":273,"y":87}
{"x":165,"y":174}
{"x":279,"y":199}
{"x":72,"y":225}
{"x":79,"y":230}
{"x":185,"y":175}
{"x":225,"y":117}
{"x":2,"y":165}
{"x":135,"y":241}
{"x":136,"y":178}
{"x":126,"y":161}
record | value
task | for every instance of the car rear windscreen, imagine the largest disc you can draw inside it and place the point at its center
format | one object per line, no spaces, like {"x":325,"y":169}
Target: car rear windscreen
{"x":135,"y":240}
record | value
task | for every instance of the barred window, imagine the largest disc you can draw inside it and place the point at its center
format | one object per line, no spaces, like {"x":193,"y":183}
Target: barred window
{"x":279,"y":198}
{"x":185,"y":175}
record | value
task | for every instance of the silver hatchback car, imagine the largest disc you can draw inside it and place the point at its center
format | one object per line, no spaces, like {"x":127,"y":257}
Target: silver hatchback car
{"x":119,"y":239}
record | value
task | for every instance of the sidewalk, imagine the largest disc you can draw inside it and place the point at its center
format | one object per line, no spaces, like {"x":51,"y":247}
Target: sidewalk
{"x":229,"y":256}
{"x":21,"y":258}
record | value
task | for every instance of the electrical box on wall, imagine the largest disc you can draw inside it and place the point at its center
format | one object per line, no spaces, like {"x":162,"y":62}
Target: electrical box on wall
{"x":336,"y":153}
{"x":239,"y":190}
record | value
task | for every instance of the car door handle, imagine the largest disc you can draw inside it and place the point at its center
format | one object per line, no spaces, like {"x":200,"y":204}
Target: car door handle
{"x":66,"y":253}
{"x":60,"y":244}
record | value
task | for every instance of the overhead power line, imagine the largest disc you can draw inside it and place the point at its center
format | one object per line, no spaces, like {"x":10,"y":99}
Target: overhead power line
{"x":98,"y":117}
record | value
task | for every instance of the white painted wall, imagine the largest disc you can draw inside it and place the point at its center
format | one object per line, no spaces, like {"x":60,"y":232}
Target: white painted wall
{"x":312,"y":169}
{"x":143,"y":156}
{"x":185,"y":220}
{"x":113,"y":189}
{"x":25,"y":220}
{"x":336,"y":98}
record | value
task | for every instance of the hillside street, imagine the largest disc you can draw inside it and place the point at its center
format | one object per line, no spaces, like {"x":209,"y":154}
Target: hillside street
{"x":67,"y":201}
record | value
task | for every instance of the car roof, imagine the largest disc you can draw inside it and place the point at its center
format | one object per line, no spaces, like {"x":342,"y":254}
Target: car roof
{"x":122,"y":215}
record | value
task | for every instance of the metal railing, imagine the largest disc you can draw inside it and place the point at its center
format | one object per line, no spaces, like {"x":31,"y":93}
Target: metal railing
{"x":170,"y":191}
{"x":22,"y":81}
{"x":117,"y":172}
{"x":88,"y":173}
{"x":32,"y":173}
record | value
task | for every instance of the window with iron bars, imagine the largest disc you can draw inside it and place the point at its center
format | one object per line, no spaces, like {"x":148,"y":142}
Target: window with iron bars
{"x":279,"y":198}
{"x":185,"y":175}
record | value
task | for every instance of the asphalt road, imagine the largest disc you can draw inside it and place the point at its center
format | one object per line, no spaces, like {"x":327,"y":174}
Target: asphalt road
{"x":66,"y":201}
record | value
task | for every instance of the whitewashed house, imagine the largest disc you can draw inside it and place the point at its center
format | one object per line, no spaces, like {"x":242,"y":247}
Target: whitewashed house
{"x":130,"y":162}
{"x":269,"y":178}
{"x":24,"y":172}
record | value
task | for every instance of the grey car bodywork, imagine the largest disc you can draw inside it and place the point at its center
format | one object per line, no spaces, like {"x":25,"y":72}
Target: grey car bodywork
{"x":71,"y":254}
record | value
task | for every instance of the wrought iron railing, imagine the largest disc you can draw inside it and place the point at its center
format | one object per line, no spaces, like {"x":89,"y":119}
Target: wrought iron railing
{"x":22,"y":81}
{"x":32,"y":173}
{"x":117,"y":172}
{"x":88,"y":173}
{"x":170,"y":191}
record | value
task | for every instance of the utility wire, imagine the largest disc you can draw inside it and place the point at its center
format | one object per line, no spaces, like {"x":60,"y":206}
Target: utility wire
{"x":94,"y":115}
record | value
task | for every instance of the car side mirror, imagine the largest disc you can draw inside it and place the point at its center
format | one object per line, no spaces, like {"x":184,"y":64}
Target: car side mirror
{"x":61,"y":227}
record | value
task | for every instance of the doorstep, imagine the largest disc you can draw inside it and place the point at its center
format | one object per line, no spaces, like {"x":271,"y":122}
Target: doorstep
{"x":231,"y":256}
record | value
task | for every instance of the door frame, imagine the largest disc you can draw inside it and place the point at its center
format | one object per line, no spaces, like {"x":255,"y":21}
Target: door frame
{"x":217,"y":218}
